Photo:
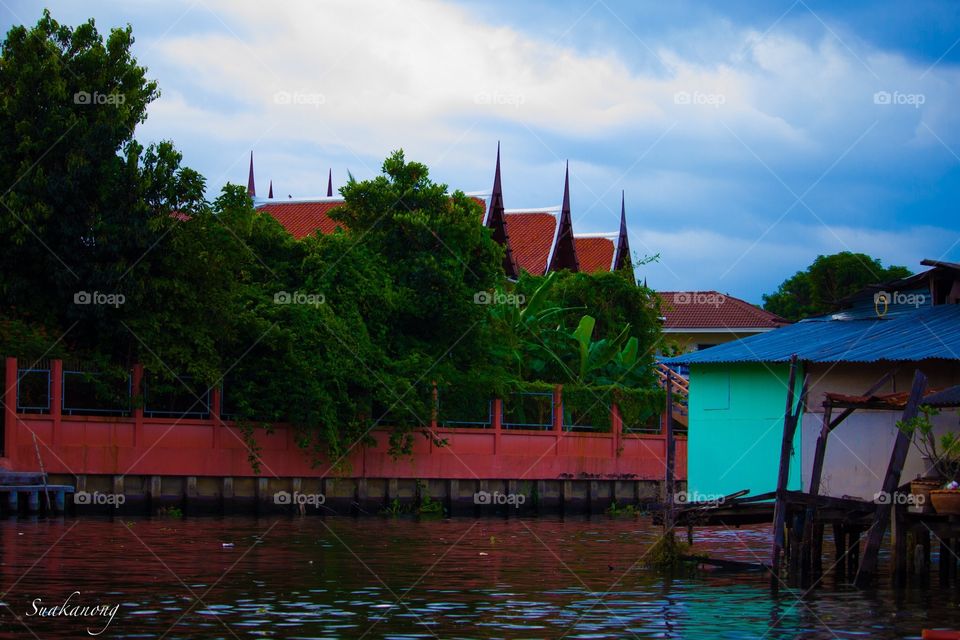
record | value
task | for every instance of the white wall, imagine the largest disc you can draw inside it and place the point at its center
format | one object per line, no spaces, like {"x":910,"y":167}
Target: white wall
{"x":858,"y":451}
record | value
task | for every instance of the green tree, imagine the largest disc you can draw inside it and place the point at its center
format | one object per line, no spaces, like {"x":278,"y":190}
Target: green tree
{"x":84,"y":202}
{"x":820,"y":288}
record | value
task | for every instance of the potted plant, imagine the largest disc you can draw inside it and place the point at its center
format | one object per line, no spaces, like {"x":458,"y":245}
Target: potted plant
{"x":941,"y":455}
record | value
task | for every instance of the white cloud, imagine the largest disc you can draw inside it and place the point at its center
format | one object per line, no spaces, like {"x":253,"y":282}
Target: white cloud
{"x":702,"y":142}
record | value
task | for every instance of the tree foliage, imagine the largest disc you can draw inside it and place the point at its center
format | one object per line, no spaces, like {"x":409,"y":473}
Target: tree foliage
{"x":820,"y":288}
{"x":334,"y":334}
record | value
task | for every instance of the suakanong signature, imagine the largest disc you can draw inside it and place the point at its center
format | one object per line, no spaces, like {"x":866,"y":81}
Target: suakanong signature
{"x":68,"y":610}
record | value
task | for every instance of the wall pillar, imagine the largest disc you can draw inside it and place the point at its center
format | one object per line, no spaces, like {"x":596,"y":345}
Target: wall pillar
{"x":136,"y":392}
{"x":56,"y":398}
{"x":497,"y":420}
{"x":215,"y":421}
{"x":557,"y":417}
{"x":10,"y":411}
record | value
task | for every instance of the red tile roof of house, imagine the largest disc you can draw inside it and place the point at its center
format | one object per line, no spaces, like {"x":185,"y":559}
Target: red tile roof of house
{"x":302,"y":219}
{"x":713,"y":310}
{"x":595,"y":253}
{"x":531,"y":238}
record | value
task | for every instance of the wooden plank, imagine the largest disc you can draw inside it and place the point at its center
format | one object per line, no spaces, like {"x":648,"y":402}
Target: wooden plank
{"x":849,"y":410}
{"x":780,"y":509}
{"x":868,"y":565}
{"x":671,"y":487}
{"x":21,"y":477}
{"x":729,"y":565}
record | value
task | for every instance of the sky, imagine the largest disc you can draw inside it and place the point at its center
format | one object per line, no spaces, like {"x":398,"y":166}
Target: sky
{"x":747,"y":137}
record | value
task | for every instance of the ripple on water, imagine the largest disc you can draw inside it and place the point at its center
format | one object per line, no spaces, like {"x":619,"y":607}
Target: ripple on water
{"x":540,"y":578}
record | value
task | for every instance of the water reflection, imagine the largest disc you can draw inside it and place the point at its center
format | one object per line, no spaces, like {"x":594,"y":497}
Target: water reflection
{"x":382,"y":578}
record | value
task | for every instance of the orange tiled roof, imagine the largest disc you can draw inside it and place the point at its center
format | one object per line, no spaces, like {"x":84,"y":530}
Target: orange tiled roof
{"x":713,"y":310}
{"x":302,"y":219}
{"x":594,"y":254}
{"x":531,"y":238}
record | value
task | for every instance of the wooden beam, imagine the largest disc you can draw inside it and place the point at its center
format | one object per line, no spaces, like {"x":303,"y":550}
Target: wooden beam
{"x":868,"y":562}
{"x":671,"y":486}
{"x":780,"y":508}
{"x":876,"y":387}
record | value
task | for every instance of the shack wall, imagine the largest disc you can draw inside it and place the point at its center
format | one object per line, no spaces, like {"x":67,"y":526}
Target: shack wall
{"x":736,"y":428}
{"x":858,"y":451}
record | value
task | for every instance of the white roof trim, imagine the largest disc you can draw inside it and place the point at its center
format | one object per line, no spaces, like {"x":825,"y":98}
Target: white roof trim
{"x":718,"y":329}
{"x":553,"y":245}
{"x":552,"y":210}
{"x":259,"y":202}
{"x":603,"y":234}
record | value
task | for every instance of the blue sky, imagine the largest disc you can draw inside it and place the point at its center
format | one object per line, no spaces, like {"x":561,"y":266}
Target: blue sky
{"x":749,"y":137}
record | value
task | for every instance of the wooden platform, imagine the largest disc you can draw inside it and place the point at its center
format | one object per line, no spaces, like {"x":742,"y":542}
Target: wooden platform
{"x":28,"y":490}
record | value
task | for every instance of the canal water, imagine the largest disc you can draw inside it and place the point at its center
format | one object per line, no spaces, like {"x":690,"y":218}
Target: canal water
{"x":374,"y":577}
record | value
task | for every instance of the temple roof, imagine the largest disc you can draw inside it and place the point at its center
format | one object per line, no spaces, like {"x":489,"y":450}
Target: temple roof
{"x":537,"y":239}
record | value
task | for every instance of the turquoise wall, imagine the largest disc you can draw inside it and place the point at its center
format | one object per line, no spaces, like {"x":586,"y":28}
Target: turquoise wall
{"x":736,"y":427}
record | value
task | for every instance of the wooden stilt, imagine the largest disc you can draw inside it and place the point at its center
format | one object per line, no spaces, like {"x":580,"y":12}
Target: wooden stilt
{"x":853,"y":550}
{"x":816,"y":560}
{"x":840,"y":550}
{"x":871,"y":551}
{"x":899,"y":545}
{"x":669,"y":519}
{"x":780,"y":506}
{"x":796,"y":544}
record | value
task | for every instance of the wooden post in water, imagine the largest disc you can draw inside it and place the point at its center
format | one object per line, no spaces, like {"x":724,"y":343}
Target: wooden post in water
{"x":840,"y":550}
{"x":780,"y":506}
{"x":871,"y":551}
{"x":670,"y":486}
{"x":853,"y":548}
{"x":899,"y":544}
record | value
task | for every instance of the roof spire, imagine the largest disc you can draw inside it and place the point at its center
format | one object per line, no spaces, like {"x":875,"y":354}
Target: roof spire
{"x":622,"y":259}
{"x":565,"y":250}
{"x":270,"y":193}
{"x":330,"y":183}
{"x":251,"y":186}
{"x":496,"y":219}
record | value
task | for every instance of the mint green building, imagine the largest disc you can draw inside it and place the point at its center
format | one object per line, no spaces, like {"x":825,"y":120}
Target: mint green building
{"x":738,"y":396}
{"x":735,"y":428}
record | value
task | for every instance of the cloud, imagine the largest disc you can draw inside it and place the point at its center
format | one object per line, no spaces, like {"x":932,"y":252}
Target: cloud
{"x":722,"y":134}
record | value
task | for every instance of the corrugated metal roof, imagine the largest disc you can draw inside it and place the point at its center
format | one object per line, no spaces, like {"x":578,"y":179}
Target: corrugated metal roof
{"x":925,"y":334}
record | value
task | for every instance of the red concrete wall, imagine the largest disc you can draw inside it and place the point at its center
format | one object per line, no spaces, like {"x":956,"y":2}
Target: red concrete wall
{"x":167,"y":446}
